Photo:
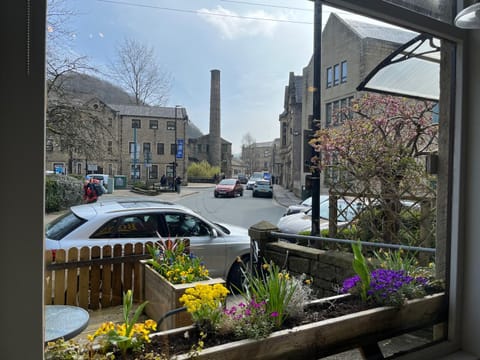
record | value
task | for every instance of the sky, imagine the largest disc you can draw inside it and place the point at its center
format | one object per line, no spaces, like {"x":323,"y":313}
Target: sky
{"x":255,"y":45}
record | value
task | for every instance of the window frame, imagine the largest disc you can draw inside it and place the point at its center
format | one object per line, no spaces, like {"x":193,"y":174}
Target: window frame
{"x":343,"y":72}
{"x":329,"y":76}
{"x":336,"y":74}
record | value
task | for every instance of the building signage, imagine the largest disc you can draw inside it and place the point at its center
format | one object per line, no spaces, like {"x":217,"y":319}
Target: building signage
{"x":180,"y":149}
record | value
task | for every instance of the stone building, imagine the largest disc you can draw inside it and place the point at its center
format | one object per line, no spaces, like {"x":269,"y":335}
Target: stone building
{"x":140,"y":144}
{"x":352,"y":48}
{"x":291,"y":135}
{"x":139,"y":141}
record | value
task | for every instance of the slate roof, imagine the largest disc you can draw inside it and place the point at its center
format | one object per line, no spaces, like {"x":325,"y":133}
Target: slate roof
{"x":148,"y":111}
{"x":378,"y":31}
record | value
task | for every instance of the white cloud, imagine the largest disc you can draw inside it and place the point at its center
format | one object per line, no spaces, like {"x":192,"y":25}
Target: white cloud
{"x":101,"y":34}
{"x":233,"y":25}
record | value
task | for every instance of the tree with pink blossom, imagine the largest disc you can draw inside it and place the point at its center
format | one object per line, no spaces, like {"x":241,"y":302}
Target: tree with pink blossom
{"x":378,"y":145}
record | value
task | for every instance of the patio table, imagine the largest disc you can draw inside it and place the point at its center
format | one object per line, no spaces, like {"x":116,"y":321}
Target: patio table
{"x":64,"y":321}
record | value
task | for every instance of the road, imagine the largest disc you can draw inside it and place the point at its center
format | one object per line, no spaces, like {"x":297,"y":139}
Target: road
{"x":242,"y":211}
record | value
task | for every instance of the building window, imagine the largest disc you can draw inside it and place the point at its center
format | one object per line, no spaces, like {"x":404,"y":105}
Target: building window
{"x":136,"y":124}
{"x":135,"y":172}
{"x":160,"y":148}
{"x":173,"y":149}
{"x":110,"y":122}
{"x":110,"y":169}
{"x":284,"y":134}
{"x":170,"y":125}
{"x":344,"y":71}
{"x":207,"y":148}
{"x":110,"y":148}
{"x":328,"y":115}
{"x":147,"y":148}
{"x":153,"y":173}
{"x":336,"y":74}
{"x":153,"y":124}
{"x":79,"y":168}
{"x":329,"y":77}
{"x":199,"y":148}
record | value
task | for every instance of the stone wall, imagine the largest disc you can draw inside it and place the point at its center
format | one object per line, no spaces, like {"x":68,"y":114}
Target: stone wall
{"x":327,"y":268}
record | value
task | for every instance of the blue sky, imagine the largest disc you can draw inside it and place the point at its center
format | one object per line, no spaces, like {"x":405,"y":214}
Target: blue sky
{"x":254,"y":57}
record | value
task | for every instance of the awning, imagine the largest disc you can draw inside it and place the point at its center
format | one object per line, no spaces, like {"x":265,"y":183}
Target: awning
{"x":413,"y":70}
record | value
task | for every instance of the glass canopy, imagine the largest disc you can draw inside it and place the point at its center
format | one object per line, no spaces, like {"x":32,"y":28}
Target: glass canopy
{"x":413,"y":70}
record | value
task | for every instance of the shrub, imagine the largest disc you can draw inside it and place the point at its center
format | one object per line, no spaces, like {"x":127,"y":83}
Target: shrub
{"x":202,"y":170}
{"x":61,"y":192}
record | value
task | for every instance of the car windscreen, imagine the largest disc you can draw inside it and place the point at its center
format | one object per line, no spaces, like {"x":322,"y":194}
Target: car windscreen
{"x":63,"y":225}
{"x":345,"y":212}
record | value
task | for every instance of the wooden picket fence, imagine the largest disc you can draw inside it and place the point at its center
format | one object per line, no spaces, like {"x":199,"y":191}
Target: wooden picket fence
{"x":94,"y":278}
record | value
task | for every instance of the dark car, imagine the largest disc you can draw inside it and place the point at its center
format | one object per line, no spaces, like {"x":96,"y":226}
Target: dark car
{"x":228,"y":188}
{"x":242,"y":178}
{"x":263,"y":188}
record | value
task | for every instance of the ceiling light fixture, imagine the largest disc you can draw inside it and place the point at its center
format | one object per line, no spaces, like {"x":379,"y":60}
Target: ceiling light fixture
{"x":469,"y":18}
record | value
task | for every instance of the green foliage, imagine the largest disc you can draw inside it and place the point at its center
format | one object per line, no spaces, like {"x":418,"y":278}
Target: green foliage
{"x":370,"y":225}
{"x":174,"y":262}
{"x":202,"y":170}
{"x":129,"y":335}
{"x":361,"y":269}
{"x":205,"y":303}
{"x":397,"y":260}
{"x":274,"y":286}
{"x":61,"y":192}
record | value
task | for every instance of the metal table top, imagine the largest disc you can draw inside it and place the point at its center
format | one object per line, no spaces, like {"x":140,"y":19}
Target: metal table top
{"x":64,"y":321}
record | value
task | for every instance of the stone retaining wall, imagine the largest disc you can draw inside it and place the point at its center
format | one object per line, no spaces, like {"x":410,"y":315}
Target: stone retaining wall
{"x":328,"y":268}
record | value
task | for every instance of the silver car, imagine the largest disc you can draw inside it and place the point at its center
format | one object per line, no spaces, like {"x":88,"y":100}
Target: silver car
{"x":303,"y":206}
{"x":137,"y":221}
{"x":302,"y":221}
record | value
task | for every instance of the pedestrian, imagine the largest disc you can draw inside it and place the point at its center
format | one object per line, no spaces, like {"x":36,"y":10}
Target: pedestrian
{"x":178,"y":182}
{"x":163,"y":181}
{"x":90,"y":194}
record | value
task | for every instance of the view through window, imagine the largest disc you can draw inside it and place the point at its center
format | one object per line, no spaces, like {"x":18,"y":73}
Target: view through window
{"x":230,"y":84}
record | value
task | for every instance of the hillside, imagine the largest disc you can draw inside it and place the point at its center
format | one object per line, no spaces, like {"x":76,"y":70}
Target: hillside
{"x":84,"y":87}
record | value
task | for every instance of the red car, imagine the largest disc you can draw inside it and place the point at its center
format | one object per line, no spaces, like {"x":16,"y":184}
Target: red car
{"x":228,"y":187}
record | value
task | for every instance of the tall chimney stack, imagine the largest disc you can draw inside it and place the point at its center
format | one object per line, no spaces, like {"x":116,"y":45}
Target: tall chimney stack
{"x":215,"y":146}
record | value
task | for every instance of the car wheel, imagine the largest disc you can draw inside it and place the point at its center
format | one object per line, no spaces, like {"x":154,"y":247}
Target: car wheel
{"x":241,"y":193}
{"x":236,"y":277}
{"x":216,"y":195}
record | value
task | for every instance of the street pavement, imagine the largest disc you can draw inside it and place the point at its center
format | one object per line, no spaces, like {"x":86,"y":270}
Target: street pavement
{"x":280,"y":194}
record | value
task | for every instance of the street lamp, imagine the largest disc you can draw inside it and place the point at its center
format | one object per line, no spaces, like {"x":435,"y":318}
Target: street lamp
{"x":176,"y":149}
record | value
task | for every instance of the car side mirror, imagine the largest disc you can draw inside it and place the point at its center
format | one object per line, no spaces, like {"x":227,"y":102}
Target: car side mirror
{"x":214,"y":233}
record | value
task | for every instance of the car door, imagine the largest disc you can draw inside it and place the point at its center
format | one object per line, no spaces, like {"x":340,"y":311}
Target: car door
{"x":204,"y":243}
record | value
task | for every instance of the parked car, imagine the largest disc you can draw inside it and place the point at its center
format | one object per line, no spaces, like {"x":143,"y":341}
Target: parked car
{"x":302,"y":221}
{"x":303,"y":206}
{"x":243,"y":178}
{"x":137,"y":221}
{"x":262,"y":188}
{"x":228,"y":187}
{"x":251,"y":181}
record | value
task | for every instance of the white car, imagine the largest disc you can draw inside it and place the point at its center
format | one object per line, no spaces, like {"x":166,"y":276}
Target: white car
{"x":302,"y":221}
{"x":304,"y":205}
{"x":137,"y":221}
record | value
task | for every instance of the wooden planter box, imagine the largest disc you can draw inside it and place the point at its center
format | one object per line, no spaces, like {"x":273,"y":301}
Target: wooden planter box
{"x":163,"y":296}
{"x":326,"y":337}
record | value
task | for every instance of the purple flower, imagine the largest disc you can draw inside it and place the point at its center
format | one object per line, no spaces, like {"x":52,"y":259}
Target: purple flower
{"x":274,"y":314}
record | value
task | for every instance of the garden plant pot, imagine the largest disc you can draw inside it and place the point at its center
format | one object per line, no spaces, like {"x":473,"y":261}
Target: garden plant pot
{"x":163,"y":296}
{"x":322,"y":338}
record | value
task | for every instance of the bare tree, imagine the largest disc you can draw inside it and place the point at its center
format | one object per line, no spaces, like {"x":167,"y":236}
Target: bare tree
{"x":248,"y":152}
{"x":71,"y":127}
{"x":137,"y":71}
